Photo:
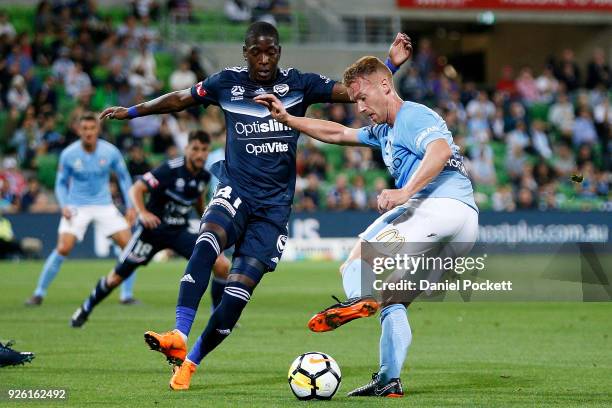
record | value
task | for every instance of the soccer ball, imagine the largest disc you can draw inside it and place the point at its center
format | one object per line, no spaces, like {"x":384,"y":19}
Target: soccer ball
{"x":314,"y":375}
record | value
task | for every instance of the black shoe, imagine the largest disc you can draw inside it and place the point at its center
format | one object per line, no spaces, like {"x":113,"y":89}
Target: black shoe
{"x":10,"y":357}
{"x":375,"y":388}
{"x":129,"y":302}
{"x":79,"y":317}
{"x":35,"y":300}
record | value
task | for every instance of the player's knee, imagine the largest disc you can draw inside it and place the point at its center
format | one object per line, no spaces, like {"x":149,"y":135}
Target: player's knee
{"x":221,"y":267}
{"x":247,"y":270}
{"x":213,"y":233}
{"x":64,"y":248}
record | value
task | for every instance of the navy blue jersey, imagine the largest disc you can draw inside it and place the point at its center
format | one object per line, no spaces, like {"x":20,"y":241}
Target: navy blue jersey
{"x":260,"y":152}
{"x":174,"y":191}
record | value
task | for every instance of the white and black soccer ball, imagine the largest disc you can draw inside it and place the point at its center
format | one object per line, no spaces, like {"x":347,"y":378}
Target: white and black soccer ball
{"x":314,"y":375}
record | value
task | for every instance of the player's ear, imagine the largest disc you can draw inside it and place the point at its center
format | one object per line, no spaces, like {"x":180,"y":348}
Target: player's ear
{"x":244,"y":52}
{"x":279,"y":50}
{"x":386,"y":86}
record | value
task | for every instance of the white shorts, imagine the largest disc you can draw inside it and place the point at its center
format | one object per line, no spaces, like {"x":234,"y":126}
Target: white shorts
{"x":107,"y":218}
{"x":427,"y":221}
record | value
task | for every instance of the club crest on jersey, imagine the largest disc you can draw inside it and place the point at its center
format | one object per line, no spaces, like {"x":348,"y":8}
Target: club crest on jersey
{"x":179,"y":184}
{"x":200,"y":90}
{"x":281,"y":89}
{"x":237,"y":93}
{"x":102,"y":162}
{"x":78,"y":165}
{"x":281,"y":242}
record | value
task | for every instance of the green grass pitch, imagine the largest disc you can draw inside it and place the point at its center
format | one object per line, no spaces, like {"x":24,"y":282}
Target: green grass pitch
{"x":462,"y":354}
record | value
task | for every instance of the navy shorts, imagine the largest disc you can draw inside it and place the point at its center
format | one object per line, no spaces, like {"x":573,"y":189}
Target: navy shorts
{"x":257,"y":231}
{"x":145,"y":243}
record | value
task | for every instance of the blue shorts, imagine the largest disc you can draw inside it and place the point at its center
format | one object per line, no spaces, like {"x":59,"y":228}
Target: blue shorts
{"x":257,"y":231}
{"x":145,"y":243}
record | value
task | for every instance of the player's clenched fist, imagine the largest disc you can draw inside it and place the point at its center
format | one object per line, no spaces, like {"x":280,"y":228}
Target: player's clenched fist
{"x":274,"y":105}
{"x":149,"y":220}
{"x":114,"y":112}
{"x":401,"y":49}
{"x":389,"y":199}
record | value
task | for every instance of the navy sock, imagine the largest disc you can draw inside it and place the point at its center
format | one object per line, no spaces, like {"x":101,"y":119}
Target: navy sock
{"x":224,"y":318}
{"x":216,"y":291}
{"x":195,"y":279}
{"x":98,"y":294}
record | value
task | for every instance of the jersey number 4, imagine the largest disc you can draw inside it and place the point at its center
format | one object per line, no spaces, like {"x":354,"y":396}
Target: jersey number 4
{"x":226,"y":192}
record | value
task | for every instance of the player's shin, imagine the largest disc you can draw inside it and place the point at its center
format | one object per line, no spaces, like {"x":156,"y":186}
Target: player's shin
{"x":394,"y":341}
{"x":50,"y":270}
{"x":195,"y":280}
{"x":98,"y":294}
{"x":222,"y":321}
{"x":352,"y":277}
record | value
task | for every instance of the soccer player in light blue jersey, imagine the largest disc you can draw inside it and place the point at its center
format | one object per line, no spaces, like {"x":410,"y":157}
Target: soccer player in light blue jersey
{"x":82,"y":191}
{"x":432,"y":204}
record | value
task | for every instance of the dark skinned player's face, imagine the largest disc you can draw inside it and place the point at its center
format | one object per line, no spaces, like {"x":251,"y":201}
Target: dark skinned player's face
{"x":262,"y":55}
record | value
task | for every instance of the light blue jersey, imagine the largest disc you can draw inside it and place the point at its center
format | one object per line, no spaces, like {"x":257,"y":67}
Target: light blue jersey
{"x":403,"y":147}
{"x":83,"y":178}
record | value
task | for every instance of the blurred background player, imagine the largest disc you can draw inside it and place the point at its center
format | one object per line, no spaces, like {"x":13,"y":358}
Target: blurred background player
{"x":175,"y":188}
{"x":82,"y":191}
{"x":252,"y":203}
{"x":433,"y":202}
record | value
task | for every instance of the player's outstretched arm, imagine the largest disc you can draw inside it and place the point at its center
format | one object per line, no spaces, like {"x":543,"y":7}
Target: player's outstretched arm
{"x":167,"y":103}
{"x":400,"y":51}
{"x":137,"y":193}
{"x":323,"y":130}
{"x":436,"y":155}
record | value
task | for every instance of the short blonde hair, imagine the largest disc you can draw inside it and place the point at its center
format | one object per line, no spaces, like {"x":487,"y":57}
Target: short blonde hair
{"x":365,"y":66}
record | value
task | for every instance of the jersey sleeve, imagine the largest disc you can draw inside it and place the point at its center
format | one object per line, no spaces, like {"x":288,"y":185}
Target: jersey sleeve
{"x":317,"y":88}
{"x":206,"y":92}
{"x":370,"y":135}
{"x":158,"y":178}
{"x":419,"y":131}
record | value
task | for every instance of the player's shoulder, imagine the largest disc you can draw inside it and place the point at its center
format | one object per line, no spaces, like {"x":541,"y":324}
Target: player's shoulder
{"x":108,"y":146}
{"x":415,"y":115}
{"x":175,"y":163}
{"x":294,"y":74}
{"x":72,"y":149}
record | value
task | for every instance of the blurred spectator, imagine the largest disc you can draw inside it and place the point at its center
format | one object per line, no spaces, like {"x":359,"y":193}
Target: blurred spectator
{"x":237,"y":11}
{"x":515,"y":160}
{"x":6,"y":27}
{"x":9,"y":201}
{"x":527,"y":87}
{"x":50,"y":140}
{"x":507,"y":84}
{"x":584,"y":128}
{"x":359,"y":194}
{"x":481,"y":106}
{"x":25,"y":140}
{"x":180,"y":10}
{"x":482,"y":169}
{"x":195,"y":65}
{"x":336,"y":198}
{"x":18,"y":97}
{"x":526,"y":199}
{"x":518,"y":138}
{"x":598,"y":72}
{"x":561,"y":114}
{"x":183,"y":77}
{"x":137,"y":163}
{"x":540,"y":140}
{"x":145,"y":9}
{"x":564,"y":162}
{"x":547,"y":85}
{"x":567,"y":70}
{"x":310,"y":197}
{"x":77,"y":82}
{"x":503,"y":199}
{"x":35,"y":200}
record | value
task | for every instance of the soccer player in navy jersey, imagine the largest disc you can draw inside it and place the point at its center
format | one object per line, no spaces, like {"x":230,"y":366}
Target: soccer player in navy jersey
{"x":251,"y":206}
{"x":175,"y":188}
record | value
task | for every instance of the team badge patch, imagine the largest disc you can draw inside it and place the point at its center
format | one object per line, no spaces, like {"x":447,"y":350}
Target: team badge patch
{"x":281,"y":242}
{"x":200,"y":90}
{"x":281,"y":89}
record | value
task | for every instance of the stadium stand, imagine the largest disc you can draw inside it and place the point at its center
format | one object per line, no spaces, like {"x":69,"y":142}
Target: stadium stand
{"x":524,"y":137}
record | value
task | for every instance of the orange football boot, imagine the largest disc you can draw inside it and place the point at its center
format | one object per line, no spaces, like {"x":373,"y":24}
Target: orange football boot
{"x":182,"y":376}
{"x":170,"y":344}
{"x":342,"y":313}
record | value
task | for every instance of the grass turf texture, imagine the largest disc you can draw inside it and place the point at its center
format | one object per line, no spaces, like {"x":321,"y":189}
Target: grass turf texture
{"x":468,"y":354}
